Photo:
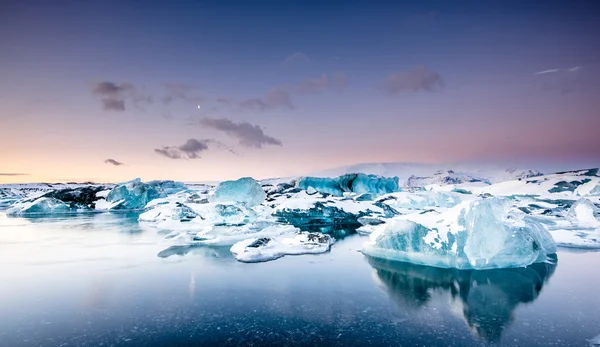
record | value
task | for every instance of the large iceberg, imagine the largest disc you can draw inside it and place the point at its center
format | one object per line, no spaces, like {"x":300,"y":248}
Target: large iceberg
{"x":481,"y":234}
{"x":135,"y":194}
{"x":350,"y":183}
{"x":265,"y":249}
{"x":245,"y":190}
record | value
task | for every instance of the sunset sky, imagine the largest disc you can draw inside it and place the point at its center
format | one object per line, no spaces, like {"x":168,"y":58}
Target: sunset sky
{"x":109,"y":90}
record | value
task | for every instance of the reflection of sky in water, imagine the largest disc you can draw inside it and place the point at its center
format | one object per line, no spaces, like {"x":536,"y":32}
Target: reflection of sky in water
{"x":98,"y":279}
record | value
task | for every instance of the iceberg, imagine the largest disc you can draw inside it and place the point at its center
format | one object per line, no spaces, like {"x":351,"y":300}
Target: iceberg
{"x":358,"y":183}
{"x":38,"y":206}
{"x":595,"y":342}
{"x":264,"y":249}
{"x":245,"y":190}
{"x":135,"y":194}
{"x":481,"y":234}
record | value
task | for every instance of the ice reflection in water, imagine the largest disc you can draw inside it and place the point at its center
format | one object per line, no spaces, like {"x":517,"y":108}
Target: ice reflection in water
{"x":486,"y":298}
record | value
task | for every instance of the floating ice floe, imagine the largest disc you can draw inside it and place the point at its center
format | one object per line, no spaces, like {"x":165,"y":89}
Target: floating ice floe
{"x":264,"y":248}
{"x":481,"y":234}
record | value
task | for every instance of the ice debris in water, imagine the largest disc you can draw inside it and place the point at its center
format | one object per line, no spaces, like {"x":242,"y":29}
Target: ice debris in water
{"x":350,"y":183}
{"x":43,"y":205}
{"x":595,"y":342}
{"x":580,"y":228}
{"x":304,"y":210}
{"x":482,"y":234}
{"x":135,"y":194}
{"x":265,"y":249}
{"x":245,"y":190}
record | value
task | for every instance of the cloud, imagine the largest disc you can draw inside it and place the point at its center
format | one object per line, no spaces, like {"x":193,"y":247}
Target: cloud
{"x":113,"y":104}
{"x":571,"y":69}
{"x":420,"y":78}
{"x":248,"y":135}
{"x":114,"y":96}
{"x":336,"y":80}
{"x":13,"y":174}
{"x":275,"y":98}
{"x":546,"y":71}
{"x":280,"y":97}
{"x":182,"y":92}
{"x":191,"y":149}
{"x":564,"y":80}
{"x":113,"y":162}
{"x":296,"y":58}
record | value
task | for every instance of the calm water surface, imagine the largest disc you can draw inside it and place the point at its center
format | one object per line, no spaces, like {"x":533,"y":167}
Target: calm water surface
{"x":103,"y":280}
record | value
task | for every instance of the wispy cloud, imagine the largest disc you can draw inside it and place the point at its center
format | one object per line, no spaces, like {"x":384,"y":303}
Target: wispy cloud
{"x":280,"y":97}
{"x":546,"y":71}
{"x":113,"y":162}
{"x":571,"y":69}
{"x":296,"y":58}
{"x":180,"y":91}
{"x":114,"y":96}
{"x":13,"y":174}
{"x":420,"y":78}
{"x":336,"y":80}
{"x":247,"y":134}
{"x":275,"y":98}
{"x":191,"y":149}
{"x":563,"y":80}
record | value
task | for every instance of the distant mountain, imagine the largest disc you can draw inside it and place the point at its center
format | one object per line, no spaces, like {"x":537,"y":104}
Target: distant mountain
{"x":418,"y":174}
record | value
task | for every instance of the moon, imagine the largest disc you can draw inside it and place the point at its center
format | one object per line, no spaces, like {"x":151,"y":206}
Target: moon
{"x":198,"y":106}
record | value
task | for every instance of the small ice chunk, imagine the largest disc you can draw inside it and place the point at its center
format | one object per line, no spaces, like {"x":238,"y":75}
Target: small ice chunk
{"x":245,"y":190}
{"x":595,"y":342}
{"x":584,"y":212}
{"x":265,"y":249}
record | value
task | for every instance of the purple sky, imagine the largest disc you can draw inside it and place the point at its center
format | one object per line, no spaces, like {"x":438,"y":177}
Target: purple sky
{"x":109,"y":90}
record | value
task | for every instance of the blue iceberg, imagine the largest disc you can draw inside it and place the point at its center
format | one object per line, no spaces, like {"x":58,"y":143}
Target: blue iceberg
{"x":245,"y":190}
{"x":481,"y":234}
{"x":135,"y":194}
{"x":350,"y":183}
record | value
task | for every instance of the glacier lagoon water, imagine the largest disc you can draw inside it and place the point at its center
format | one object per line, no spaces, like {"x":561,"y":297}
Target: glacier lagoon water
{"x":103,"y":279}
